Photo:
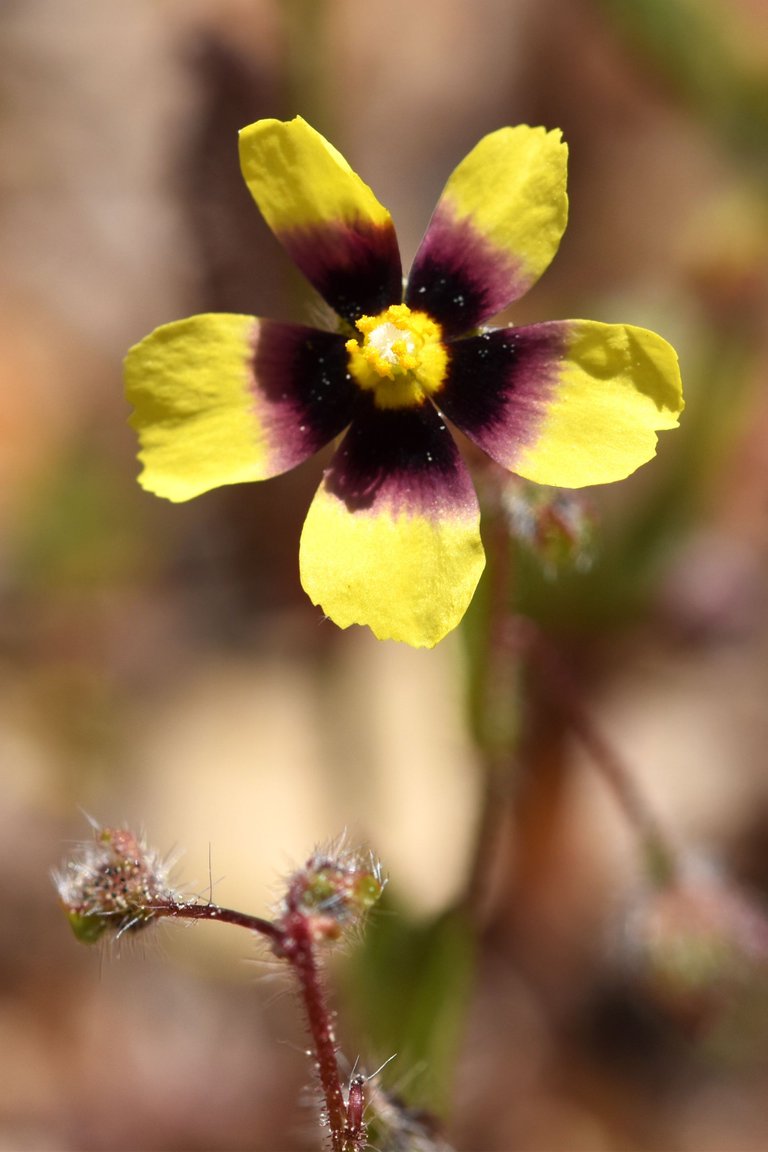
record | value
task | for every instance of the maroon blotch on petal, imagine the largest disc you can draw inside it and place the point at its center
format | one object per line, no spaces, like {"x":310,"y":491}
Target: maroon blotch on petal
{"x":498,"y":385}
{"x":402,"y":457}
{"x":459,"y":277}
{"x":355,"y":267}
{"x":303,"y":374}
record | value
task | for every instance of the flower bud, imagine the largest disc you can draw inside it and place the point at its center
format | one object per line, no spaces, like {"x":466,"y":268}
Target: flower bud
{"x":114,"y":884}
{"x":334,"y":890}
{"x":555,"y":525}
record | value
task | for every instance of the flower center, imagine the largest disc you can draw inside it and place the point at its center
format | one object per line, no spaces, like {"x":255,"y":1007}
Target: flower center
{"x":400,"y":358}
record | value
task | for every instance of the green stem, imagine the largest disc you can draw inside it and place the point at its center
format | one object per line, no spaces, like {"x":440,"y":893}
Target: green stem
{"x":497,"y":723}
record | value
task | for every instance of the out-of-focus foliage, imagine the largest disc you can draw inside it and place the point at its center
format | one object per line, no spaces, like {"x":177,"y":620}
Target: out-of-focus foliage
{"x":711,"y":52}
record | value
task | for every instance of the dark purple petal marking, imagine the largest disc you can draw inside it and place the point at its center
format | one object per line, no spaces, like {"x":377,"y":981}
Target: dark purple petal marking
{"x":354,"y":266}
{"x":499,"y":384}
{"x":404,"y":459}
{"x":303,"y":391}
{"x":459,"y":277}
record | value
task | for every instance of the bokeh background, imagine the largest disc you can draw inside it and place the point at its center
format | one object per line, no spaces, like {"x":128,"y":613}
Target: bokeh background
{"x":160,"y":664}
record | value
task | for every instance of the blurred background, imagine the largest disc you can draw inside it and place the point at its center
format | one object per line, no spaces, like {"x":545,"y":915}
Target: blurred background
{"x":160,"y":664}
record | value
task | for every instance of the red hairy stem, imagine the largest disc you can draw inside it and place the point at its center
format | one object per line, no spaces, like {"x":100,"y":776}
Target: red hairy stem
{"x":117,"y":884}
{"x":292,"y":940}
{"x":297,"y":946}
{"x":223,"y":915}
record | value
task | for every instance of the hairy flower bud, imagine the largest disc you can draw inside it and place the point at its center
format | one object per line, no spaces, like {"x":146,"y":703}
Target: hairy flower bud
{"x":114,"y":884}
{"x":334,"y":890}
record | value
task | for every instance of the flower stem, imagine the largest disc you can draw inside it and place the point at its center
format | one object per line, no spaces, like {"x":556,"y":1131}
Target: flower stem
{"x":509,"y":644}
{"x":298,"y":949}
{"x":211,"y":911}
{"x":116,"y":885}
{"x":496,"y":724}
{"x":293,"y":941}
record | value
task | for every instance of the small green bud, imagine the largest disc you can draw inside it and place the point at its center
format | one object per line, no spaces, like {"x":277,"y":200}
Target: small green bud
{"x":335,"y":889}
{"x":87,"y":928}
{"x":113,"y":884}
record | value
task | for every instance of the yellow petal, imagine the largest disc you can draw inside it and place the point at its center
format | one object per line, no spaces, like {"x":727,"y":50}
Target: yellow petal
{"x":615,"y":387}
{"x":328,"y":219}
{"x":392,"y":537}
{"x":223,"y":399}
{"x":496,"y":227}
{"x":298,"y":179}
{"x":189,"y":383}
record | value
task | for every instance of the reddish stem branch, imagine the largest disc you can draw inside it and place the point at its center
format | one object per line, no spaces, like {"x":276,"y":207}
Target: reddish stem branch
{"x":292,"y":939}
{"x":222,"y":915}
{"x":559,"y":682}
{"x":298,"y":949}
{"x":116,"y":884}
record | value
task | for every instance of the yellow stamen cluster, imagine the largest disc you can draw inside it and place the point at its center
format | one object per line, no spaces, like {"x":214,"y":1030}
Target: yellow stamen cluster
{"x":401,"y":357}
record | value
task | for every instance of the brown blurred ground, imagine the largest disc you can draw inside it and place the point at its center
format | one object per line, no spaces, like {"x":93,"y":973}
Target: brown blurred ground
{"x":161,"y":665}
